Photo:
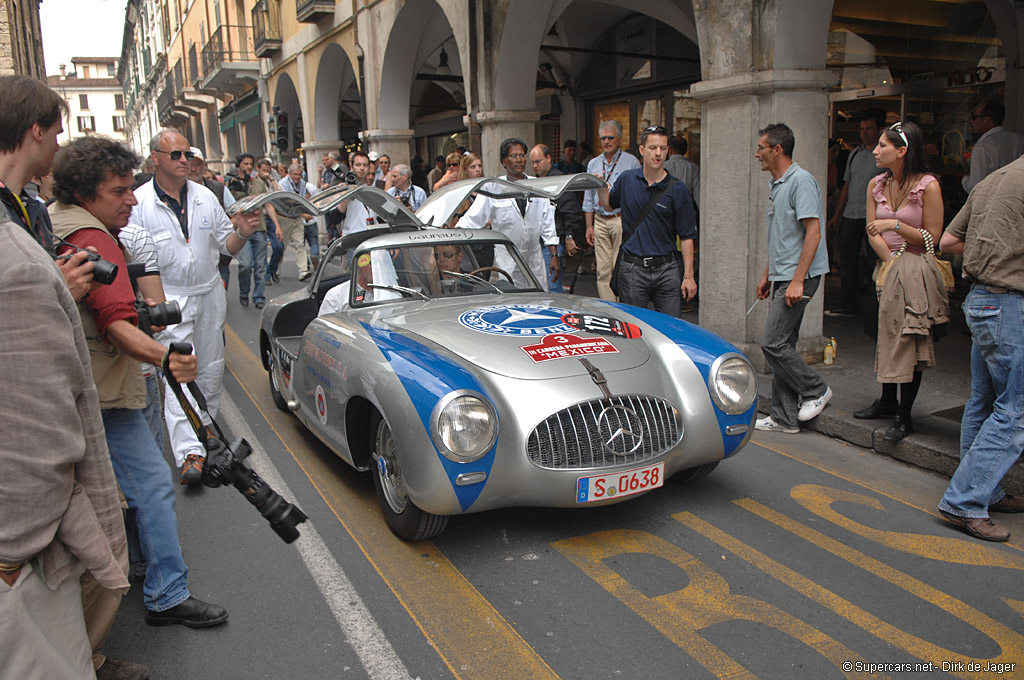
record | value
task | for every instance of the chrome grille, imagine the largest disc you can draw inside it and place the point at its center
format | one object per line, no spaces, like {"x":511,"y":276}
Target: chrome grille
{"x":575,"y":437}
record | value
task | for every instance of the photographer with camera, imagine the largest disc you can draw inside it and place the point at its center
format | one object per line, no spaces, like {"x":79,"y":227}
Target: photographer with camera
{"x":404,"y":190}
{"x":93,"y":177}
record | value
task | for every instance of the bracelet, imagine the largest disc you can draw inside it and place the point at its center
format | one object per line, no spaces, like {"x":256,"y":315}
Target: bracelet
{"x":689,"y":277}
{"x":239,"y":235}
{"x":897,"y":225}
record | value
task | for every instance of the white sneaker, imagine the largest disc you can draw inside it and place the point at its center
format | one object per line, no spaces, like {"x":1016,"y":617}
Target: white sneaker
{"x":305,"y":275}
{"x":768,"y":424}
{"x":812,"y":408}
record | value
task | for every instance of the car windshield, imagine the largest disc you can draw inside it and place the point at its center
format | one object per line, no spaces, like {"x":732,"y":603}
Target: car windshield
{"x":437,"y":270}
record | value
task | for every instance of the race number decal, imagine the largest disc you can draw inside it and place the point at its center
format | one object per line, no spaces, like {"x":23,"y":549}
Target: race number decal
{"x":602,"y":325}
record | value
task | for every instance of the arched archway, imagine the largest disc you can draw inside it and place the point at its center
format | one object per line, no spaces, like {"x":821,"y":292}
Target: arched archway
{"x":286,"y":99}
{"x":337,"y":110}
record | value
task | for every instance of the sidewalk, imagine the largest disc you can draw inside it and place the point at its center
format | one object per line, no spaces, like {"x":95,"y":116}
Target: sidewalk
{"x":945,"y":389}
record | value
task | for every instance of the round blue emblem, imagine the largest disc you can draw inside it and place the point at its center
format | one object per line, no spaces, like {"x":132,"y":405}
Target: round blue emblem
{"x":516,"y":320}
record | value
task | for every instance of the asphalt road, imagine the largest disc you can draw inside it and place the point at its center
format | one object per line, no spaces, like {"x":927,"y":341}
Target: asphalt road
{"x":802,"y":557}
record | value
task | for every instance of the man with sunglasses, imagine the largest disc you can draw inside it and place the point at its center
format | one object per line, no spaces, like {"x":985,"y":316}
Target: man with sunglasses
{"x":996,"y":146}
{"x":604,"y":227}
{"x":190,"y":230}
{"x":656,"y":209}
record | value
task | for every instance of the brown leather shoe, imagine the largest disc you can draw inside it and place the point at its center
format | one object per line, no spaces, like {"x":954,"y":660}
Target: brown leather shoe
{"x":979,"y":527}
{"x":1008,"y":503}
{"x":112,"y":669}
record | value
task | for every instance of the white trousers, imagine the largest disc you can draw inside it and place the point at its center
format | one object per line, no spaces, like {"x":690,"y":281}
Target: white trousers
{"x":202,"y":325}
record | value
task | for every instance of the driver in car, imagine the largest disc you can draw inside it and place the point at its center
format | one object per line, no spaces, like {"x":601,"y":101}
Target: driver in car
{"x":448,"y":258}
{"x":375,"y":266}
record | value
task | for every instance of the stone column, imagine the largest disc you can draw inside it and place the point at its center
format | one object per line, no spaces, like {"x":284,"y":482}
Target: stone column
{"x":395,"y":143}
{"x":496,"y":127}
{"x":314,"y":151}
{"x":734,"y":194}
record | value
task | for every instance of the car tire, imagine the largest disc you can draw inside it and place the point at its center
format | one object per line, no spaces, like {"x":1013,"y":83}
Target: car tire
{"x":405,"y":520}
{"x":694,"y":473}
{"x":279,"y":401}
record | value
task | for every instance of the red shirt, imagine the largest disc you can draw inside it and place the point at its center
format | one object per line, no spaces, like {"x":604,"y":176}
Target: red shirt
{"x":111,"y":303}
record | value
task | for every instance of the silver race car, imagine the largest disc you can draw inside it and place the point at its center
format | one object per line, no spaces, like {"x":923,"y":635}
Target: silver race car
{"x":433,"y":357}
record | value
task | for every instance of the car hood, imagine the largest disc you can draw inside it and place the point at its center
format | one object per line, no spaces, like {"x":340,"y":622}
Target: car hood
{"x":539,"y":336}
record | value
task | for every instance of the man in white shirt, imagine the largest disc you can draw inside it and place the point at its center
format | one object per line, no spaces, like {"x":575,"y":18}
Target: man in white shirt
{"x":604,"y":229}
{"x":190,"y":230}
{"x":526,"y":221}
{"x":357,"y":216}
{"x":404,"y":190}
{"x":996,"y":146}
{"x":293,"y":222}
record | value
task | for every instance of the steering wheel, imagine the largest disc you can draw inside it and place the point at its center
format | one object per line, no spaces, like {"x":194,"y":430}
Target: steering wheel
{"x":493,"y":269}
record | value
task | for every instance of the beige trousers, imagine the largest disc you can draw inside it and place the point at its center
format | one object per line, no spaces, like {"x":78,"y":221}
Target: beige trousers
{"x":100,"y":606}
{"x":42,"y":631}
{"x":294,"y":233}
{"x":607,"y":239}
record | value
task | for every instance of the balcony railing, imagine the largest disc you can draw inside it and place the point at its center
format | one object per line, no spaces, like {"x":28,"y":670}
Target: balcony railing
{"x":266,"y":27}
{"x":228,"y":44}
{"x":164,"y":102}
{"x":179,"y":77}
{"x":313,"y":10}
{"x":193,"y":67}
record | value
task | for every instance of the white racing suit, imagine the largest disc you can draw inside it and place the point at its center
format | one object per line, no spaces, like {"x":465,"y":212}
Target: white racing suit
{"x":525,"y":232}
{"x":191,"y":278}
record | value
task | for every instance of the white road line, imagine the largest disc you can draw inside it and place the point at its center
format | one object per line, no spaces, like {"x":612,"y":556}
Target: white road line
{"x":357,"y":623}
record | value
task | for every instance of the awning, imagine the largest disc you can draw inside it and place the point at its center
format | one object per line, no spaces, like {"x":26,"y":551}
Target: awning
{"x":239,"y":111}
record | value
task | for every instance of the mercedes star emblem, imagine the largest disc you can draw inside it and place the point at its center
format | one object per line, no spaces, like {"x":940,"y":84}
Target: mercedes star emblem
{"x":624,"y":428}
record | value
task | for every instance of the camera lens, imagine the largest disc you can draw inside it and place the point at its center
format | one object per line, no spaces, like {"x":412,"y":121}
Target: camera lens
{"x":103,"y":272}
{"x":165,"y":314}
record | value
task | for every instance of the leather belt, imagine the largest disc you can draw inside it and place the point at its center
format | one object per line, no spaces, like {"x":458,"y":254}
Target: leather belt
{"x":648,"y":262}
{"x":998,"y":290}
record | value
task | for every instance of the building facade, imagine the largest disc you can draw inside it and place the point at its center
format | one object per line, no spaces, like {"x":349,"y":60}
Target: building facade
{"x":21,"y":39}
{"x":420,"y":77}
{"x":95,"y":98}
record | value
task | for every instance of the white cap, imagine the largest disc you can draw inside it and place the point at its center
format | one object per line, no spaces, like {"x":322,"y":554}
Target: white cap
{"x":197,"y":153}
{"x":373,"y":156}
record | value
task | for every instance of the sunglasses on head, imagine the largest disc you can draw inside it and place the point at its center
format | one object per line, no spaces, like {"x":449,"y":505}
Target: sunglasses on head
{"x":177,"y":154}
{"x":897,"y":127}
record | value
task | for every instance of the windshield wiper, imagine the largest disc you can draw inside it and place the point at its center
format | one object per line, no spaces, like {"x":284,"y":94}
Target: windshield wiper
{"x":471,"y":277}
{"x":400,"y":289}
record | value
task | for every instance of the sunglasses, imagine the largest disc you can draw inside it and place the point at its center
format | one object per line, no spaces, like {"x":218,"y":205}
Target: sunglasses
{"x":655,"y":130}
{"x":453,"y":165}
{"x":177,"y":154}
{"x":608,"y":138}
{"x":448,"y":255}
{"x":898,"y":129}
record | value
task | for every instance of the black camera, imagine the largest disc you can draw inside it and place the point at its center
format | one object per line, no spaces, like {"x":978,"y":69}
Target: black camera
{"x":224,"y":466}
{"x":162,"y":314}
{"x":238,"y":184}
{"x":103,"y":271}
{"x":350,"y":178}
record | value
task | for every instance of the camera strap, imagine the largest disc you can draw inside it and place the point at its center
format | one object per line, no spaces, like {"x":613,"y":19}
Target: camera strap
{"x":201,"y":429}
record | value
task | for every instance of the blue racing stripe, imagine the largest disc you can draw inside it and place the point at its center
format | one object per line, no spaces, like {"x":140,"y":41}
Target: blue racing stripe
{"x":428,"y":376}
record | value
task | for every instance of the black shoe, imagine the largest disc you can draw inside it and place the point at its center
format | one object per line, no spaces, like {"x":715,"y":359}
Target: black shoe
{"x":258,"y":305}
{"x":268,"y":282}
{"x":192,"y":613}
{"x":876,"y":410}
{"x":899,"y":429}
{"x":277,"y":279}
{"x":243,"y":301}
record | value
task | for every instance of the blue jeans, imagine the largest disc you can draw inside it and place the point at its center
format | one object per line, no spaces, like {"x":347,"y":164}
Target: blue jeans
{"x":556,"y":285}
{"x":252,"y":265}
{"x":276,"y":252}
{"x":145,"y":478}
{"x":992,"y":429}
{"x":312,"y":236}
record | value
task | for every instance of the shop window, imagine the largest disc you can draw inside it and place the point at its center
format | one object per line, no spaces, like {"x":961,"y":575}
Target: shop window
{"x":612,"y":111}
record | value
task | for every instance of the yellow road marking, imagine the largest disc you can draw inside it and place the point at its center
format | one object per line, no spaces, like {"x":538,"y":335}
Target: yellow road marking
{"x":471,"y":637}
{"x":819,"y":500}
{"x":704,"y":602}
{"x":898,"y":495}
{"x":1011,"y":643}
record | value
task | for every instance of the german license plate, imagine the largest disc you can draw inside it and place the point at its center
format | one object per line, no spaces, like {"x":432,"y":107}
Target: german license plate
{"x":618,"y":484}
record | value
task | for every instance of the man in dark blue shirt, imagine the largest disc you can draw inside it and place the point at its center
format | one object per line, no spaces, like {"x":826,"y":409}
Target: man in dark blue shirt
{"x":650,"y":268}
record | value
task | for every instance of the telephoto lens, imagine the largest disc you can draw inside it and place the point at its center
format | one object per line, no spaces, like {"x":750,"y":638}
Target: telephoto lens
{"x":103,"y":271}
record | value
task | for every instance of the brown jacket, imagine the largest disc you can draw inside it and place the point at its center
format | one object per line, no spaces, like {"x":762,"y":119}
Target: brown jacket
{"x":118,"y":376}
{"x":58,"y":496}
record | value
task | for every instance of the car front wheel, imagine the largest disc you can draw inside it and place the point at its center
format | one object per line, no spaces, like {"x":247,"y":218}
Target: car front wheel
{"x":404,"y":519}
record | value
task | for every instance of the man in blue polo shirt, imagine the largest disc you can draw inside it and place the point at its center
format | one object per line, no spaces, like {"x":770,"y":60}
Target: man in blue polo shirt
{"x":797,"y":258}
{"x":650,"y":270}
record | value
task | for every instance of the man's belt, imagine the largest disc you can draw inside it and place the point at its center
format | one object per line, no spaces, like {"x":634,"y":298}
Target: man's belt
{"x":998,"y":290}
{"x":648,"y":262}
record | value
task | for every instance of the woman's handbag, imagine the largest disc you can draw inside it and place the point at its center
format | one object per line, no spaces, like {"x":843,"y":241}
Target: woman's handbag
{"x":883,"y":269}
{"x":945,"y":267}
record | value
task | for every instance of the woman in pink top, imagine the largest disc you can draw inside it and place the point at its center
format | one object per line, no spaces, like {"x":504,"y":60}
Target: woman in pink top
{"x":901,"y":203}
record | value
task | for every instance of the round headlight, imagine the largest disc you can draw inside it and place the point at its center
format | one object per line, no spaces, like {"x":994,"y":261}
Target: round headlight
{"x":464,"y":426}
{"x":733,"y":384}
